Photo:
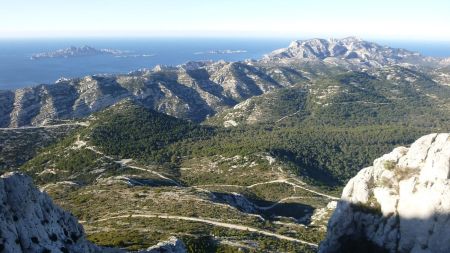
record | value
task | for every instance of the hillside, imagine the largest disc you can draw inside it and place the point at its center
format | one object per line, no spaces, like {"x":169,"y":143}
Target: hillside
{"x":139,"y":131}
{"x":277,"y":183}
{"x":18,"y":145}
{"x":247,"y":156}
{"x":394,"y":95}
{"x":124,"y":130}
{"x":250,"y":190}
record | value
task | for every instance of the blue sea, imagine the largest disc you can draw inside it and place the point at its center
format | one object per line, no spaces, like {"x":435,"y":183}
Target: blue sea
{"x":17,"y":70}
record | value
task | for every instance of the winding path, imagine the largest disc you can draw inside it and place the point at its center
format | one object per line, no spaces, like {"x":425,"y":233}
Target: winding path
{"x":211,"y":222}
{"x":285,"y":181}
{"x":124,"y":162}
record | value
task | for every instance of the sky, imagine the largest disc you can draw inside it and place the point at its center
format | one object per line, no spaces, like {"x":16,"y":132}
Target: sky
{"x":380,"y":19}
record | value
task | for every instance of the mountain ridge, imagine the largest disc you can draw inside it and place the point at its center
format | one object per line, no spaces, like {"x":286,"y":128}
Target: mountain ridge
{"x":351,"y":50}
{"x":198,"y":90}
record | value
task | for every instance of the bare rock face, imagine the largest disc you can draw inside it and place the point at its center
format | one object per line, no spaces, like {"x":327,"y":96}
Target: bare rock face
{"x":400,"y":204}
{"x":30,"y":222}
{"x":349,"y":50}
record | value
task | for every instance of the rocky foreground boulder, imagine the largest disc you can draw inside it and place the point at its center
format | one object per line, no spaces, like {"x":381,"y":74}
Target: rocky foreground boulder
{"x":400,"y":204}
{"x":30,"y":222}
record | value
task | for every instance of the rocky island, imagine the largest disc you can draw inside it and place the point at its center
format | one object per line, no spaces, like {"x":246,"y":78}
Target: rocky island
{"x":76,"y":52}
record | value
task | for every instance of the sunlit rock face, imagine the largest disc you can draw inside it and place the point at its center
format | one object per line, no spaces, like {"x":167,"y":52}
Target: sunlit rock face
{"x":30,"y":222}
{"x":350,"y":50}
{"x":400,"y":204}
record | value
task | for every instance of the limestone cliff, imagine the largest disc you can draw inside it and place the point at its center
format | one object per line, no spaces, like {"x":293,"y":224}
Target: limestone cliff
{"x":400,"y":204}
{"x":30,"y":222}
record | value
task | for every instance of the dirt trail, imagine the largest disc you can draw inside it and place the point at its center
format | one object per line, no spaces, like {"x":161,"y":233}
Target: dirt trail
{"x":285,"y":181}
{"x":211,"y":222}
{"x":124,"y":162}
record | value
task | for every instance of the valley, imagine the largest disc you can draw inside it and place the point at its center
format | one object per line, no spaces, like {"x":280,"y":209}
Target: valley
{"x":245,"y":156}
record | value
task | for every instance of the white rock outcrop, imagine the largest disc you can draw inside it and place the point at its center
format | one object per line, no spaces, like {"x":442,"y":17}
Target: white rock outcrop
{"x":172,"y":245}
{"x":30,"y":222}
{"x":400,"y":204}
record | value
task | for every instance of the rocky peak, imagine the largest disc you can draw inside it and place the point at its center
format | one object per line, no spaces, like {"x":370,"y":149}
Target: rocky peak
{"x":400,"y":204}
{"x":352,"y":49}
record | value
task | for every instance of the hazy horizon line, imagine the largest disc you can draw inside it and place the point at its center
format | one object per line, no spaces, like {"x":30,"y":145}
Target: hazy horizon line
{"x":290,"y":38}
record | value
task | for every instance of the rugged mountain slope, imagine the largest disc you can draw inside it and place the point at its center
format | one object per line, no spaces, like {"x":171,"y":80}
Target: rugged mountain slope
{"x":348,"y":51}
{"x":269,"y":108}
{"x":124,"y":130}
{"x":394,"y":95}
{"x":192,"y":91}
{"x":18,"y":145}
{"x":197,"y":90}
{"x":442,"y":75}
{"x":251,"y":177}
{"x":30,"y":222}
{"x":230,"y":192}
{"x":400,"y":204}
